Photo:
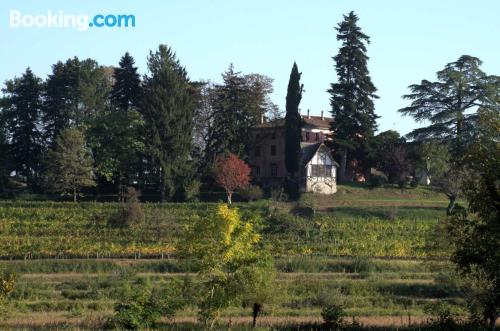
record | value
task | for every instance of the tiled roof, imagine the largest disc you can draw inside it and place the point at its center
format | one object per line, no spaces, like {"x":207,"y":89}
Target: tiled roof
{"x":310,"y":121}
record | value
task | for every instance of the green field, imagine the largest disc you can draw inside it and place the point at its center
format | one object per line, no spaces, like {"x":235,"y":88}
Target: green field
{"x":363,"y":248}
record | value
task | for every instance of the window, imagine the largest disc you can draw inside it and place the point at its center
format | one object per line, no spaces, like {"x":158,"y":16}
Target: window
{"x":257,"y":151}
{"x":257,"y":137}
{"x":256,"y":171}
{"x":273,"y":135}
{"x":317,"y":136}
{"x":307,"y":136}
{"x":273,"y":150}
{"x":321,"y":170}
{"x":274,"y":170}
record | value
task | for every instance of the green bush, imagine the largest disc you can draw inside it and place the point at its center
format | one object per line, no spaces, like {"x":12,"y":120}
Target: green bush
{"x":333,"y":316}
{"x":131,"y":213}
{"x":251,"y":193}
{"x":376,"y":181}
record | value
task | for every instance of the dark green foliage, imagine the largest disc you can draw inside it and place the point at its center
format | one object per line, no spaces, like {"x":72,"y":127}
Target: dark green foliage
{"x":75,"y":91}
{"x":450,"y":103}
{"x":69,"y":164}
{"x":21,"y":108}
{"x":131,"y":213}
{"x":126,"y":90}
{"x":169,"y":105}
{"x":237,"y":105}
{"x":293,"y":122}
{"x":333,"y":316}
{"x":116,"y":134}
{"x":142,"y":306}
{"x":251,"y":193}
{"x":474,"y":234}
{"x":351,"y":98}
{"x":5,"y":158}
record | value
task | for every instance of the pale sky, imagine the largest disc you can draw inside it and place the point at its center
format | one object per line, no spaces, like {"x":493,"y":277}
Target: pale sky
{"x":410,"y":41}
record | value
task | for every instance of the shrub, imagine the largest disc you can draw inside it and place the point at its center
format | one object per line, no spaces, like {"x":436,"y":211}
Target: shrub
{"x":191,"y":191}
{"x":131,"y":213}
{"x":251,"y":193}
{"x":333,"y":316}
{"x":142,"y":306}
{"x":376,"y":181}
{"x":444,"y":318}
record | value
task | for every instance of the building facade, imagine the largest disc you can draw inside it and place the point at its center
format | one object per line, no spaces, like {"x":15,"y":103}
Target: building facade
{"x":267,"y":157}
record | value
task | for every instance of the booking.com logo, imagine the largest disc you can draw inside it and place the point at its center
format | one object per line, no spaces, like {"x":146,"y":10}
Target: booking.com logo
{"x":81,"y":22}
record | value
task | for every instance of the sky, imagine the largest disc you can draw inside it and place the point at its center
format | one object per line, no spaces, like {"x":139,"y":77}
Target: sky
{"x":410,"y":41}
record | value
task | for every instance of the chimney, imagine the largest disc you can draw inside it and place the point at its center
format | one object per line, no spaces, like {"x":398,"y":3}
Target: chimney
{"x":322,"y":118}
{"x":308,"y":116}
{"x":262,"y":119}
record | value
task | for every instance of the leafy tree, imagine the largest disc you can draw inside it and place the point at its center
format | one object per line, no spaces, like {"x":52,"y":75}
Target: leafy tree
{"x":75,"y":91}
{"x":433,"y":158}
{"x":169,"y":105}
{"x":70,"y":164}
{"x":21,"y":107}
{"x":390,"y":155}
{"x":293,"y":122}
{"x":450,"y":103}
{"x":261,"y":289}
{"x":116,"y":135}
{"x":475,"y":233}
{"x":351,"y":98}
{"x":237,"y":105}
{"x":142,"y":306}
{"x":231,"y":173}
{"x":230,"y":260}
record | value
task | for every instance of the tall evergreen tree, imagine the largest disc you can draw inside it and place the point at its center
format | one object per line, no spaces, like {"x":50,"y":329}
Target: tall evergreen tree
{"x":351,"y":98}
{"x":22,"y":107}
{"x":116,"y":134}
{"x":229,"y":121}
{"x":125,"y":93}
{"x":5,"y":162}
{"x":450,"y":104}
{"x":293,"y":122}
{"x":169,"y":105}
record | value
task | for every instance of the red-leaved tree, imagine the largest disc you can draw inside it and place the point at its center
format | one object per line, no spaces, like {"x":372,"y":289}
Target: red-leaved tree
{"x":231,"y":173}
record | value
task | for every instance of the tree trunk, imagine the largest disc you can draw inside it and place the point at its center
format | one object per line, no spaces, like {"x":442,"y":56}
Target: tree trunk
{"x":229,"y":197}
{"x":256,"y":310}
{"x":74,"y":195}
{"x":343,"y":166}
{"x":493,"y":323}
{"x":451,"y":205}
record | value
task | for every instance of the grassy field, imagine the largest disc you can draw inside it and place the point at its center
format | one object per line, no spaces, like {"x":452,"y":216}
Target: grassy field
{"x":363,"y":248}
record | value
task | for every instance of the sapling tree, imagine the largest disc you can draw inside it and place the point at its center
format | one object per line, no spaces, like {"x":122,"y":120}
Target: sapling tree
{"x":231,"y":173}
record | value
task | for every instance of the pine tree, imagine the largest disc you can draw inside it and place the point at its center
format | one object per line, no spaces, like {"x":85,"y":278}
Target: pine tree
{"x":293,"y":122}
{"x":116,"y":134}
{"x":126,"y":88}
{"x":228,"y":132}
{"x":450,"y":103}
{"x":169,"y":105}
{"x":70,"y":164}
{"x":354,"y":120}
{"x":21,"y":107}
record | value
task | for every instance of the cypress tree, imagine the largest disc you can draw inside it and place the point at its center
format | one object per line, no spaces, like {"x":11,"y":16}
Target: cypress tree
{"x":293,"y":122}
{"x":169,"y":104}
{"x":22,"y":106}
{"x":351,"y":98}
